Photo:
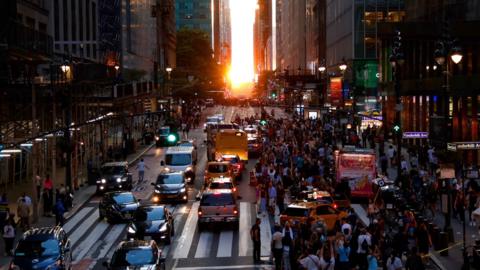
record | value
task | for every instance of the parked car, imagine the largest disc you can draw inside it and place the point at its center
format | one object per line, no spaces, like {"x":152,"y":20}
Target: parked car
{"x":154,"y":221}
{"x":118,"y":206}
{"x":44,"y":249}
{"x":114,"y":176}
{"x":136,"y":254}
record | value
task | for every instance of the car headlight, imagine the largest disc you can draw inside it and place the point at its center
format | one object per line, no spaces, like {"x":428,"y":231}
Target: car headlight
{"x":114,"y":208}
{"x":163,"y":228}
{"x":189,"y":168}
{"x":131,"y":229}
{"x":119,"y":180}
{"x":157,"y":191}
{"x":103,"y":181}
{"x":182,"y":190}
{"x":157,"y":138}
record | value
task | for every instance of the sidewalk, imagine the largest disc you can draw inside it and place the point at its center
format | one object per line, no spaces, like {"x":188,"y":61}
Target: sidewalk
{"x":81,"y":196}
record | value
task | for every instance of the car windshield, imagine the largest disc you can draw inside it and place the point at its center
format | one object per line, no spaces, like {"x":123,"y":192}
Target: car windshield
{"x":251,"y":131}
{"x":164,"y":131}
{"x":218,"y":168}
{"x":37,"y":248}
{"x":221,"y":185}
{"x":149,"y":214}
{"x":133,"y":257}
{"x":178,"y":159}
{"x":217,"y":199}
{"x":232,"y":160}
{"x":113,"y":170}
{"x":124,"y":198}
{"x":167,"y":179}
{"x":296,"y":212}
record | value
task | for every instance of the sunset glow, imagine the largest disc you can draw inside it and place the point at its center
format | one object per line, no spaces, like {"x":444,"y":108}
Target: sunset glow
{"x":241,"y":73}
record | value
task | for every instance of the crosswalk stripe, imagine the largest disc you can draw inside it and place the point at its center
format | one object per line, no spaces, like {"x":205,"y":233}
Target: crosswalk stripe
{"x":204,"y":244}
{"x":185,"y":240}
{"x":84,"y":227}
{"x":225,"y":244}
{"x":76,"y":218}
{"x":245,"y":248}
{"x":93,"y":237}
{"x":109,"y":240}
{"x":265,"y":235}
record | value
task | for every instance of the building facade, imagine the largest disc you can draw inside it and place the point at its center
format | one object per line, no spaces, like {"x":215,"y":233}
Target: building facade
{"x":225,"y":37}
{"x":195,"y":14}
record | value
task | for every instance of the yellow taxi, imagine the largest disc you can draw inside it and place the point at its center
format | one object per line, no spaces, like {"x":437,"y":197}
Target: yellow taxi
{"x":302,"y":212}
{"x":223,"y":183}
{"x":216,"y":169}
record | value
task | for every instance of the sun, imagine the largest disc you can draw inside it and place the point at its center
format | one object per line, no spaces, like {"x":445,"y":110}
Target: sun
{"x":242,"y":18}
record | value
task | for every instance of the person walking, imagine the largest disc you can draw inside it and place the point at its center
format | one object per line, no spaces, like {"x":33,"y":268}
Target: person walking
{"x":38,"y":185}
{"x":414,"y":261}
{"x":47,"y":196}
{"x":59,"y":212}
{"x":141,"y":170}
{"x":277,"y":247}
{"x":23,"y":212}
{"x":8,"y":236}
{"x":255,"y":236}
{"x":364,"y":242}
{"x":288,"y":241}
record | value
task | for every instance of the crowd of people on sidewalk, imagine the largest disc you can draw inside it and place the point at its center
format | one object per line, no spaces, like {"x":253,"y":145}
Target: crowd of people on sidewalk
{"x":298,"y":155}
{"x":56,"y":204}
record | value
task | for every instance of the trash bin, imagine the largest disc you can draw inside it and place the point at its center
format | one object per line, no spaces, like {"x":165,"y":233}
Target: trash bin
{"x":443,"y":243}
{"x":435,"y":236}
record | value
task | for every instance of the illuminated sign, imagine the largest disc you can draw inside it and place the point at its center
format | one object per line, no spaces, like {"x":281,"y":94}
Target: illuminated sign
{"x":415,"y":135}
{"x":467,"y":145}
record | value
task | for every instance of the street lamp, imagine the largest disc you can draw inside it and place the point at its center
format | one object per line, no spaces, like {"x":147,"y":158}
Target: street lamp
{"x":343,"y":67}
{"x":66,"y":133}
{"x":322,"y":69}
{"x":117,"y":67}
{"x":65,"y":68}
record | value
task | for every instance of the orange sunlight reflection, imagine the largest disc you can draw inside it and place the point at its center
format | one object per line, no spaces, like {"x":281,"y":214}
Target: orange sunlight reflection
{"x":241,"y":72}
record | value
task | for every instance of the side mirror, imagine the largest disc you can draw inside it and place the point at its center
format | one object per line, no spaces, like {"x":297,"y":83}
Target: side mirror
{"x":162,"y":163}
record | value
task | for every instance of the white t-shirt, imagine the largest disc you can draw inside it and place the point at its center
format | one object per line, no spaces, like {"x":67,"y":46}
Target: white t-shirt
{"x":362,"y":237}
{"x":330,"y":265}
{"x":348,"y":227}
{"x":311,"y":262}
{"x":277,"y":240}
{"x":397,"y":264}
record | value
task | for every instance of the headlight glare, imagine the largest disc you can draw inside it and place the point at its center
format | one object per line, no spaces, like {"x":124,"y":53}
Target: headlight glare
{"x":103,"y":181}
{"x":119,"y":180}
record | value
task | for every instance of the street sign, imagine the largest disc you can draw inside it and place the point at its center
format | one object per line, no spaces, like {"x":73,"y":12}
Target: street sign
{"x":467,"y":145}
{"x":415,"y":135}
{"x":451,"y":147}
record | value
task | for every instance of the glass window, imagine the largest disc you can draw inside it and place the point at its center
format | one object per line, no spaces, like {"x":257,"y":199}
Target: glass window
{"x":150,"y":213}
{"x":124,"y":198}
{"x":38,"y":248}
{"x":217,"y":199}
{"x":217,"y":168}
{"x":178,"y":159}
{"x":296,"y":212}
{"x":133,"y":257}
{"x":168,"y":179}
{"x":325,"y":210}
{"x":113,"y":170}
{"x":221,"y":185}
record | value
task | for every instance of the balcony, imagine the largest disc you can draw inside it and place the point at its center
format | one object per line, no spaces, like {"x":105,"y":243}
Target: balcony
{"x":28,"y":42}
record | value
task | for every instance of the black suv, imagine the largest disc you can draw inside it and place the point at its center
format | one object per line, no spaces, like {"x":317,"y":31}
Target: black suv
{"x":137,"y":254}
{"x":114,"y":176}
{"x":43,"y":248}
{"x":118,"y":206}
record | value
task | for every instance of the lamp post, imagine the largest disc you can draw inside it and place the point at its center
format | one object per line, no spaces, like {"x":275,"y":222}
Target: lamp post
{"x":321,"y":70}
{"x":343,"y":68}
{"x":446,"y":50}
{"x":397,"y":60}
{"x":66,"y":133}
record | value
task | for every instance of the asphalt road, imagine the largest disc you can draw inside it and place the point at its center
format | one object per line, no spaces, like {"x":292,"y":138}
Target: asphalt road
{"x":94,"y":240}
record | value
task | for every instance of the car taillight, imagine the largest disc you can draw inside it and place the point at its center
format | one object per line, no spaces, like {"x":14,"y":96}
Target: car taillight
{"x":234,"y":189}
{"x":235,"y":211}
{"x":200,"y":211}
{"x":335,"y":205}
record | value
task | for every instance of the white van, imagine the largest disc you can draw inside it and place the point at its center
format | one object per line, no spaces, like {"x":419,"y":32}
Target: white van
{"x":181,"y":158}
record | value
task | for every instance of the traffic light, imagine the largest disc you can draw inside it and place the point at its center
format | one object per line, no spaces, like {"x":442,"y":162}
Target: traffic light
{"x":263,"y":122}
{"x":172,"y":138}
{"x":396,"y":128}
{"x":274,"y":95}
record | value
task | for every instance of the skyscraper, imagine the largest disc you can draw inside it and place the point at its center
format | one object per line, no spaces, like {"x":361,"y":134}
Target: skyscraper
{"x":195,"y":14}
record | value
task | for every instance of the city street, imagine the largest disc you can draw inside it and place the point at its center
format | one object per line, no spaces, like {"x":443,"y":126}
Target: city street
{"x":93,"y":240}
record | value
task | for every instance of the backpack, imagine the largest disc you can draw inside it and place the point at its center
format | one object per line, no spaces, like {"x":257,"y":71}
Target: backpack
{"x":364,"y":244}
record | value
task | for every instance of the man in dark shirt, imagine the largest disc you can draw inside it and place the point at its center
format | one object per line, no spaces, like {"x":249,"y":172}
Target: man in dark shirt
{"x":414,"y":261}
{"x":255,"y":236}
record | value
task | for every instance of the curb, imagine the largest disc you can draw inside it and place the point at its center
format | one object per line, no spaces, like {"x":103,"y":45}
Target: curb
{"x":130,"y":162}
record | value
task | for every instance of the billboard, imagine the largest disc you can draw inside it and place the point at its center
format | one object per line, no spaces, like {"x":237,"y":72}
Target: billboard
{"x":358,"y":170}
{"x":336,"y":90}
{"x":366,"y":76}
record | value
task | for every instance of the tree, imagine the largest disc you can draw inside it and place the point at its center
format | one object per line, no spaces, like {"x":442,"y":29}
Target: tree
{"x":194,"y":55}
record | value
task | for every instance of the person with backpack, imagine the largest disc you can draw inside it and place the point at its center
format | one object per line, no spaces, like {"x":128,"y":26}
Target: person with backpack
{"x":364,"y":242}
{"x":59,"y":210}
{"x":9,"y":236}
{"x":255,"y":236}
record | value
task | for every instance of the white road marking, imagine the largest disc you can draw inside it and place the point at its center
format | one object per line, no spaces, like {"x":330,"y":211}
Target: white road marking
{"x":92,"y":238}
{"x":204,"y":245}
{"x":226,"y":267}
{"x":110,"y":239}
{"x":265,"y":235}
{"x":84,"y":227}
{"x":245,"y":248}
{"x":185,"y":240}
{"x":76,"y":218}
{"x":361,"y":213}
{"x":225,"y":244}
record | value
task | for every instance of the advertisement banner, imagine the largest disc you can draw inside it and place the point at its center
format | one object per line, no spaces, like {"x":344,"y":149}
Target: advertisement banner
{"x":336,"y":90}
{"x":359,"y":170}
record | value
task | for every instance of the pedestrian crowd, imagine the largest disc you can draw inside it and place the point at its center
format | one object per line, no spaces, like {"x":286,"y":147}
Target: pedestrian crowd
{"x":298,"y":155}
